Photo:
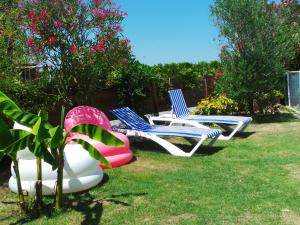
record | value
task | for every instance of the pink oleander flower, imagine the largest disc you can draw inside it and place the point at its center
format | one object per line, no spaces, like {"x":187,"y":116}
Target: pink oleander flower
{"x":33,"y":28}
{"x":58,"y":23}
{"x":30,"y":14}
{"x":36,"y":1}
{"x":118,"y":29}
{"x":43,"y":14}
{"x":99,"y":47}
{"x":73,"y":49}
{"x":219,"y":74}
{"x":102,"y":14}
{"x":30,"y":42}
{"x":97,"y":2}
{"x":36,"y":48}
{"x":51,"y":40}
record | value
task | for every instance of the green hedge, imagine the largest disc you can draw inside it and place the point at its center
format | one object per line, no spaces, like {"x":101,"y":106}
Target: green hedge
{"x":137,"y":81}
{"x":31,"y":96}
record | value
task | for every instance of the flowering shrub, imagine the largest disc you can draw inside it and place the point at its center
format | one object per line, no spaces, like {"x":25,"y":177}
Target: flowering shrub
{"x":214,"y":105}
{"x":256,"y":49}
{"x":79,"y":40}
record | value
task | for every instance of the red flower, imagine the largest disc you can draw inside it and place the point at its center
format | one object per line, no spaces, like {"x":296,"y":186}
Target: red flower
{"x":43,"y":14}
{"x":30,"y":42}
{"x":58,"y":23}
{"x":219,"y":74}
{"x":118,"y":28}
{"x":99,"y":47}
{"x":30,"y":14}
{"x":97,"y":2}
{"x":37,"y":48}
{"x":33,"y":28}
{"x":51,"y":40}
{"x":73,"y":49}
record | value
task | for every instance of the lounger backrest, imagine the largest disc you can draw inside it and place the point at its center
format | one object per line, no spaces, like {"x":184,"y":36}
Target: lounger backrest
{"x":131,"y":119}
{"x":178,"y":103}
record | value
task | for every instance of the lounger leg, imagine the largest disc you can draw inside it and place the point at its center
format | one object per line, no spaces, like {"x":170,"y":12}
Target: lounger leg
{"x":197,"y":146}
{"x":214,"y":140}
{"x":244,"y":127}
{"x":151,"y":121}
{"x":233,"y":131}
{"x":171,"y":148}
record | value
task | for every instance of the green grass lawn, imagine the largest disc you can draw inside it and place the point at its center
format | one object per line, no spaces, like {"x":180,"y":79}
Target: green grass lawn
{"x":248,"y":180}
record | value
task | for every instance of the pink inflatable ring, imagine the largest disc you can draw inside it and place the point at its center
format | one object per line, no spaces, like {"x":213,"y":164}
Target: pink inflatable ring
{"x":117,"y":156}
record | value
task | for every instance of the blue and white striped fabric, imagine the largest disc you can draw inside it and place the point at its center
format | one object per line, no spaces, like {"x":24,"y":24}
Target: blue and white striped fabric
{"x":219,"y":119}
{"x":131,"y":119}
{"x":180,"y":110}
{"x":135,"y":122}
{"x":184,"y":131}
{"x":178,"y":103}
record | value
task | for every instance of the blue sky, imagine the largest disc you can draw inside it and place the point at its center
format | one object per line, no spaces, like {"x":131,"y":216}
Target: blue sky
{"x":165,"y":31}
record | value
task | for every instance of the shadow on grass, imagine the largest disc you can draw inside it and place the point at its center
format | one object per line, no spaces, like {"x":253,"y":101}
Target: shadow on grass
{"x":150,"y":146}
{"x":83,"y":202}
{"x":284,"y":117}
{"x":240,"y":134}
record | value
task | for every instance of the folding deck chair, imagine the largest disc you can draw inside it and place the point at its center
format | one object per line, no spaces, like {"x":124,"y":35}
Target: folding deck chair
{"x":180,"y":115}
{"x":138,"y":127}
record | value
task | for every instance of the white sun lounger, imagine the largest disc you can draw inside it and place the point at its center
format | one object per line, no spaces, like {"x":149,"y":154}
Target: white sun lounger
{"x":138,"y":127}
{"x":180,"y":115}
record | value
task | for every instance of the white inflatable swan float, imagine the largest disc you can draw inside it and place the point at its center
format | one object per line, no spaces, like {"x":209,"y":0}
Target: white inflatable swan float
{"x":81,"y":171}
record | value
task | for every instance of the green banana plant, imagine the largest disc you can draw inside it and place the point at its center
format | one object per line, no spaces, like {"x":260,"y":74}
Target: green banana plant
{"x":11,"y":142}
{"x":48,"y":142}
{"x":9,"y":109}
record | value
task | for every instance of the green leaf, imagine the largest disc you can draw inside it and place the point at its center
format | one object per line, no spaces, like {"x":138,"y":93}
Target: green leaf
{"x":3,"y":98}
{"x":3,"y":126}
{"x":26,"y":119}
{"x":57,"y":136}
{"x":93,"y":152}
{"x":40,"y":132}
{"x":36,"y":126}
{"x":13,"y":112}
{"x":15,"y":140}
{"x":39,"y":150}
{"x":98,"y":133}
{"x":44,"y":116}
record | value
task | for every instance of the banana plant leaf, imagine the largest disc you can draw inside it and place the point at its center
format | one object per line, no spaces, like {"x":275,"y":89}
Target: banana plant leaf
{"x":4,"y":97}
{"x":40,"y":150}
{"x":13,"y":112}
{"x":98,"y":133}
{"x":14,"y":141}
{"x":3,"y":126}
{"x":94,"y":153}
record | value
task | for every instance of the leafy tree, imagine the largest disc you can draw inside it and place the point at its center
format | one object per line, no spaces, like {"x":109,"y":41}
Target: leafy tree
{"x":11,"y":50}
{"x":257,"y":45}
{"x":81,"y":42}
